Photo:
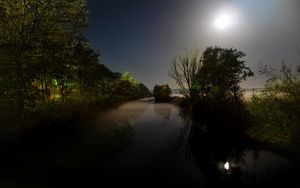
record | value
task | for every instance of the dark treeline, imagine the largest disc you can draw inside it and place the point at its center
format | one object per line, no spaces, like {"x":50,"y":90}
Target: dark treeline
{"x":46,"y":59}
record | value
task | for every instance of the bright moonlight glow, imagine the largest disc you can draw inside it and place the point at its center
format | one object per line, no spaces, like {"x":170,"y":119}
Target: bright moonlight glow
{"x":225,"y":19}
{"x":226,"y":165}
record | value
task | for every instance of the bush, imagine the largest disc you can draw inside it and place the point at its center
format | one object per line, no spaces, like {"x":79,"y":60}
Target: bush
{"x":276,"y":111}
{"x":275,"y":121}
{"x":162,"y":93}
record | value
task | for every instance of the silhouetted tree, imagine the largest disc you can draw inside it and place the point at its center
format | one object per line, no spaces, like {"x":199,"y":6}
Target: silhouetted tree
{"x":92,"y":75}
{"x":220,"y":74}
{"x":123,"y":86}
{"x":162,"y":93}
{"x":184,"y":70}
{"x":143,"y":91}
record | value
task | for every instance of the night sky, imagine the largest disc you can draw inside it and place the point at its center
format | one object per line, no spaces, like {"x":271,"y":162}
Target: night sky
{"x":143,"y":36}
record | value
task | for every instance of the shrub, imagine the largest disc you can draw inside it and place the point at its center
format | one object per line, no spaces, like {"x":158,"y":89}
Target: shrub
{"x":162,"y":93}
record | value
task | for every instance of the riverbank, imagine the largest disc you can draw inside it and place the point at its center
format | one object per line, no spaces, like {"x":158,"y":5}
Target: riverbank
{"x":14,"y":124}
{"x":271,"y":123}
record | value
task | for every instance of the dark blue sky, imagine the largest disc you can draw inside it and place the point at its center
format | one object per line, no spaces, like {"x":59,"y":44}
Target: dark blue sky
{"x":142,"y":36}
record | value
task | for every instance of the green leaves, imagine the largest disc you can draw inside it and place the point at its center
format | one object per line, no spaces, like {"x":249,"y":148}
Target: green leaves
{"x":45,"y":57}
{"x":221,"y":72}
{"x":126,"y":76}
{"x":37,"y":40}
{"x":282,"y":83}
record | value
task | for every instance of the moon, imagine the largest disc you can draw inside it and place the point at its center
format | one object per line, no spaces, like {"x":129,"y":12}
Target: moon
{"x":225,"y":20}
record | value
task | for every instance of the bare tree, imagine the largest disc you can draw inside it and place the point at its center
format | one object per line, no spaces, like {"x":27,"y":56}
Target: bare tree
{"x":183,"y":70}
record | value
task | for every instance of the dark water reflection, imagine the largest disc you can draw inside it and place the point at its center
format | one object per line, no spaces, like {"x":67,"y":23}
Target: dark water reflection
{"x":140,"y":143}
{"x":229,"y":158}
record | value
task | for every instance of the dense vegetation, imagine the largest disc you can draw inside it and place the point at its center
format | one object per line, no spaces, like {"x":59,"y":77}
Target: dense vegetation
{"x":276,"y":110}
{"x":47,"y":64}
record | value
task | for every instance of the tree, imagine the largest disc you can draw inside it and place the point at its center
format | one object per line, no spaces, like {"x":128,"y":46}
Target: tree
{"x":36,"y":43}
{"x":44,"y":57}
{"x":91,"y":72}
{"x":220,"y":74}
{"x":143,"y":91}
{"x":162,"y":93}
{"x":121,"y":86}
{"x":126,"y":76}
{"x":184,"y":69}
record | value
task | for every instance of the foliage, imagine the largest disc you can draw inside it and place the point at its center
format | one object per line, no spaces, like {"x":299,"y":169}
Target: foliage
{"x":46,"y":64}
{"x":220,"y":74}
{"x":276,"y":111}
{"x":162,"y":93}
{"x":214,"y":77}
{"x":143,"y":91}
{"x":44,"y":57}
{"x":36,"y":46}
{"x":274,"y":121}
{"x":282,"y":83}
{"x":127,"y":77}
{"x":89,"y":70}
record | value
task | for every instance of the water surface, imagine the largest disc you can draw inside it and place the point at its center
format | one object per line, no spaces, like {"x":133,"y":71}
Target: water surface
{"x":139,"y":143}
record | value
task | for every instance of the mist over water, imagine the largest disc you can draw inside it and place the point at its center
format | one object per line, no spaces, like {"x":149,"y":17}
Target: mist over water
{"x":140,"y":143}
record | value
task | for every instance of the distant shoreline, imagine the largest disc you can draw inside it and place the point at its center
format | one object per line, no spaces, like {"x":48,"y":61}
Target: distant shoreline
{"x":248,"y":92}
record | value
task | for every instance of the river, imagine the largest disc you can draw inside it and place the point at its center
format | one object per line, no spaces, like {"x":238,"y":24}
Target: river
{"x":140,"y":143}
